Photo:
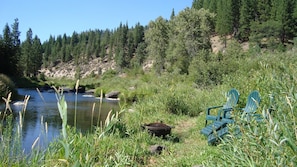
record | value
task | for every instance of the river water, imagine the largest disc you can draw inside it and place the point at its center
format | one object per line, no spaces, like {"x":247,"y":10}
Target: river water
{"x":42,"y":121}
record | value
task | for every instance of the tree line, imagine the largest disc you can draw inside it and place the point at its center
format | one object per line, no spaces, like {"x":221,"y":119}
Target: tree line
{"x":19,"y":58}
{"x":268,"y":23}
{"x":177,"y":45}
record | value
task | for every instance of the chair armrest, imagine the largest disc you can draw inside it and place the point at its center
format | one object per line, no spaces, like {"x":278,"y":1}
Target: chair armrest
{"x":225,"y":111}
{"x":210,"y":108}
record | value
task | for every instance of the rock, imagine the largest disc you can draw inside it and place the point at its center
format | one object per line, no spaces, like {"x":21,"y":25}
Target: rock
{"x":81,"y":89}
{"x":90,"y":91}
{"x":156,"y":149}
{"x":113,"y":94}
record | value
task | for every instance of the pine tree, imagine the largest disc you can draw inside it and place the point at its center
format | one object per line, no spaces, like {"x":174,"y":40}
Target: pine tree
{"x":16,"y":46}
{"x":172,"y":14}
{"x":283,"y":12}
{"x":36,"y":55}
{"x":138,"y":34}
{"x":27,"y":52}
{"x":235,"y":6}
{"x":263,"y":10}
{"x":247,"y":16}
{"x":295,"y":18}
{"x":121,"y":46}
{"x":212,"y":6}
{"x":224,"y":20}
{"x":6,"y":51}
{"x":197,"y":4}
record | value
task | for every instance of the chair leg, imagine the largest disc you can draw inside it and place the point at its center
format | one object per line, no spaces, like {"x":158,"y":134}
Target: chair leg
{"x":205,"y":123}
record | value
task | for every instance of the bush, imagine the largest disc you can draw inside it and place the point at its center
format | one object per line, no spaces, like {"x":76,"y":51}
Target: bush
{"x":176,"y":105}
{"x":109,"y":74}
{"x":6,"y":86}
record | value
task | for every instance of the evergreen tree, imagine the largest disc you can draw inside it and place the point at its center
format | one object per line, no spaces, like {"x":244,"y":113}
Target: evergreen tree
{"x":247,"y":10}
{"x":224,"y":20}
{"x":197,"y":4}
{"x":263,"y":13}
{"x":140,"y":55}
{"x":10,"y":48}
{"x":105,"y":43}
{"x":283,"y":12}
{"x":74,"y":47}
{"x":6,"y":51}
{"x":74,"y":39}
{"x":16,"y":45}
{"x":36,"y":55}
{"x":97,"y":43}
{"x":212,"y":6}
{"x":172,"y":14}
{"x":27,"y":52}
{"x":138,"y":34}
{"x":235,"y":6}
{"x":122,"y":56}
{"x":130,"y":48}
{"x":58,"y":48}
{"x":295,"y":18}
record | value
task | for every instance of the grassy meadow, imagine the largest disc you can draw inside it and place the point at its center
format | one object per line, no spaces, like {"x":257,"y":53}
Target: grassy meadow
{"x":180,"y":101}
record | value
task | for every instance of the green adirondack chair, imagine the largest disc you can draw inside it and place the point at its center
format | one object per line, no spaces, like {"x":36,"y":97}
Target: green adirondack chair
{"x":232,"y":99}
{"x":221,"y":127}
{"x":251,"y":106}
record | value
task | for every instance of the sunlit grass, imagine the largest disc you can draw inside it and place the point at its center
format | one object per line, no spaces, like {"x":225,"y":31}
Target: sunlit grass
{"x":176,"y":101}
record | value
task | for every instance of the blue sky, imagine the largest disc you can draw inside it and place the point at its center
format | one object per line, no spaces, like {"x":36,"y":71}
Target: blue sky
{"x":56,"y":17}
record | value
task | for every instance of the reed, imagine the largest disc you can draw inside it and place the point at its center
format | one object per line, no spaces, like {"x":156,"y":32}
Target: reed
{"x":75,"y":107}
{"x":100,"y":108}
{"x":62,"y":107}
{"x":92,"y":119}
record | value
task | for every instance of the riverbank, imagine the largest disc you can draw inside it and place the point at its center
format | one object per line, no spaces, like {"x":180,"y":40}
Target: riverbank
{"x":177,"y":101}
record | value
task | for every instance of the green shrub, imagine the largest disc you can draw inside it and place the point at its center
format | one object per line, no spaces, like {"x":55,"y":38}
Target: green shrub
{"x":176,"y":105}
{"x":6,"y":86}
{"x":109,"y":74}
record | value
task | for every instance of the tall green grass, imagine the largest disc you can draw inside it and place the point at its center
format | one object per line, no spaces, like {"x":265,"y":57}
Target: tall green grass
{"x":178,"y":101}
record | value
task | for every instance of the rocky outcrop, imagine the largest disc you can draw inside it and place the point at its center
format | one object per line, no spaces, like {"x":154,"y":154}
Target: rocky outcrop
{"x":112,"y":94}
{"x":95,"y":66}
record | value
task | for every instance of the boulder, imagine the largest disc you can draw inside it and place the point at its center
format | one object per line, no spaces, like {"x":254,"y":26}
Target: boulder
{"x":113,"y":94}
{"x":156,"y":149}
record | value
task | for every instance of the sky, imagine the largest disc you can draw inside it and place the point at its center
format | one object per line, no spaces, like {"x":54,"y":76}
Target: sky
{"x":56,"y":17}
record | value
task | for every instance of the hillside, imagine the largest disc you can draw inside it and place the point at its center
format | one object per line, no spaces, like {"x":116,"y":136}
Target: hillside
{"x":68,"y":70}
{"x":98,"y":66}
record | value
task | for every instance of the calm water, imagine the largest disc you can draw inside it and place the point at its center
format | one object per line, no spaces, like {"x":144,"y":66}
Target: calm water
{"x":41,"y":112}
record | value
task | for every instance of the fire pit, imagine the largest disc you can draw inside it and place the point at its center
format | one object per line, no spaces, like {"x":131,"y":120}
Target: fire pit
{"x":157,"y":129}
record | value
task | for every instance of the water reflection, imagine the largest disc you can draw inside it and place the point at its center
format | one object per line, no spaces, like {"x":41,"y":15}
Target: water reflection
{"x":42,"y":119}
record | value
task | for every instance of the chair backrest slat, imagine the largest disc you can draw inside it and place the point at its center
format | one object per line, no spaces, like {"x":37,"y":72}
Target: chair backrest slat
{"x":232,"y":98}
{"x":253,"y":102}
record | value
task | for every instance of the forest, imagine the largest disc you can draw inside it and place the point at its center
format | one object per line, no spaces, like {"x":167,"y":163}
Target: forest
{"x":174,"y":45}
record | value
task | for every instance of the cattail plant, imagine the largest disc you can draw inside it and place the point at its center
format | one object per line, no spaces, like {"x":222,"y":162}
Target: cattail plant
{"x":62,"y":107}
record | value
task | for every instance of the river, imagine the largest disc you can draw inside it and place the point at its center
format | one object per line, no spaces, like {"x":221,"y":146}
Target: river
{"x":42,"y":121}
